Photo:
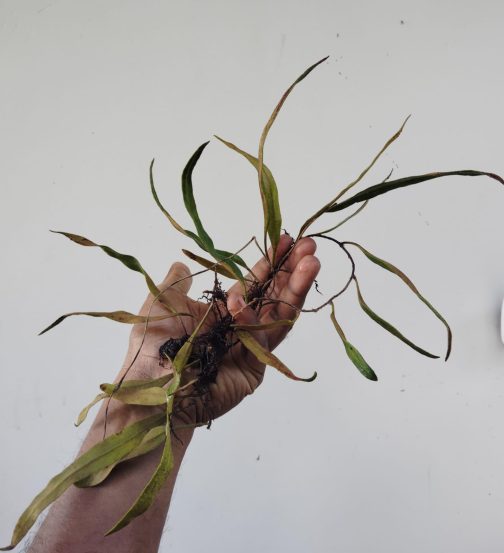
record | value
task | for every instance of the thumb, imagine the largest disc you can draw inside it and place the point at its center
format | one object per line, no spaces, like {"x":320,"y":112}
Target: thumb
{"x":178,"y":278}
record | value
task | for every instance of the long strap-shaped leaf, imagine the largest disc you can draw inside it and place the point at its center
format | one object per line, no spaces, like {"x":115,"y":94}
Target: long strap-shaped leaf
{"x":127,"y":260}
{"x":212,"y":265}
{"x":384,"y":187}
{"x":393,"y":269}
{"x":271,"y":206}
{"x":269,"y":195}
{"x":148,"y":494}
{"x":102,"y":455}
{"x":190,"y":204}
{"x":222,"y":253}
{"x":126,"y":387}
{"x":352,"y":352}
{"x":387,"y":326}
{"x":266,"y":357}
{"x":326,"y":207}
{"x":117,"y":316}
{"x":153,"y":439}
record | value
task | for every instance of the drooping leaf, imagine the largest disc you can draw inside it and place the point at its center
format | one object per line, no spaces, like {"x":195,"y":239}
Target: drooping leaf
{"x":103,"y":454}
{"x":387,"y":326}
{"x":352,"y":352}
{"x":393,"y":269}
{"x":84,"y":413}
{"x":117,"y":316}
{"x":148,"y":494}
{"x":326,"y":207}
{"x":269,"y":196}
{"x":214,"y":266}
{"x":127,"y":260}
{"x":384,"y":187}
{"x":153,"y":439}
{"x":266,"y":357}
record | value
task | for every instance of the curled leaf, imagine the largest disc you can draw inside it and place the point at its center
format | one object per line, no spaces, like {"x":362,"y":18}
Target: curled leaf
{"x":84,"y":413}
{"x":384,"y":187}
{"x":103,"y":454}
{"x":266,"y":357}
{"x":387,"y":326}
{"x":393,"y":269}
{"x":117,"y":316}
{"x":352,"y":352}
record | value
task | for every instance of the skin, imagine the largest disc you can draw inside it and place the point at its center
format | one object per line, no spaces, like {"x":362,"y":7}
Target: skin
{"x":79,"y":519}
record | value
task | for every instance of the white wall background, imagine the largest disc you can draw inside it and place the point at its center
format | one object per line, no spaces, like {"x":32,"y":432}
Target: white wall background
{"x":91,"y":91}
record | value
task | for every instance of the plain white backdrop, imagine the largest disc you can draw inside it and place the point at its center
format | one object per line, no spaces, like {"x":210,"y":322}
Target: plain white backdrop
{"x":91,"y":91}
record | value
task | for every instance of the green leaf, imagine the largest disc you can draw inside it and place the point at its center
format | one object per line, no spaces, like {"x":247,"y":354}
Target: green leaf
{"x":102,"y":455}
{"x":190,"y":204}
{"x":266,"y":357}
{"x":352,"y":352}
{"x":127,"y":260}
{"x":393,"y":269}
{"x":153,"y":439}
{"x":269,"y":196}
{"x":221,"y":253}
{"x":384,"y":187}
{"x":212,"y":265}
{"x":117,"y":316}
{"x":165,"y":212}
{"x":387,"y":326}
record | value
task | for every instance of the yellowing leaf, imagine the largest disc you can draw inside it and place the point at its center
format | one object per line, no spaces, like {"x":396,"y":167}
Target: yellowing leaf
{"x":117,"y":316}
{"x":212,"y":265}
{"x":127,"y":260}
{"x":266,"y":357}
{"x":269,"y":196}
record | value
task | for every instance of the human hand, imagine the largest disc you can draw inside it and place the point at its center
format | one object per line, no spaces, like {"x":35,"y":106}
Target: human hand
{"x":239,"y":372}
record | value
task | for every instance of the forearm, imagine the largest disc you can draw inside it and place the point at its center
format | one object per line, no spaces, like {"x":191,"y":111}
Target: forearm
{"x":78,"y":521}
